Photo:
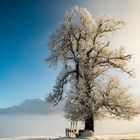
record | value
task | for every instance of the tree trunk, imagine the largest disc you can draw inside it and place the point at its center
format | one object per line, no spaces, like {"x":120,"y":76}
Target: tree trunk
{"x":89,"y":123}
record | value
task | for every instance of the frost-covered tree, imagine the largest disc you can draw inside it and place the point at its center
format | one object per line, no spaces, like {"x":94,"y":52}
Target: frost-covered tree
{"x":110,"y":99}
{"x":82,"y":45}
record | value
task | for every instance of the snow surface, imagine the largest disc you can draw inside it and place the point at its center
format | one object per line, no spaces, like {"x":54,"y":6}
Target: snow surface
{"x":135,"y":136}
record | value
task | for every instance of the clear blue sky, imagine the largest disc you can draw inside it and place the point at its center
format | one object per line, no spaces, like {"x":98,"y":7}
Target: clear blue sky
{"x":25,"y":26}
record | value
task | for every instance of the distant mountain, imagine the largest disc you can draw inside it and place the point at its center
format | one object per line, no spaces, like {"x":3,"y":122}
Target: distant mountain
{"x":34,"y":106}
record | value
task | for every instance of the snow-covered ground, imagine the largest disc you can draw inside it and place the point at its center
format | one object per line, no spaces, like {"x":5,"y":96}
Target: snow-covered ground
{"x":29,"y":138}
{"x":135,"y":136}
{"x":118,"y":137}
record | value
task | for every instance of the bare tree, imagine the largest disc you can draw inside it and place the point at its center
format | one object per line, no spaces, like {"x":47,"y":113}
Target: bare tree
{"x":82,"y":45}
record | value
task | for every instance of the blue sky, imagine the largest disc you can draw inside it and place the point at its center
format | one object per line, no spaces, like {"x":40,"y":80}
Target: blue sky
{"x":25,"y":26}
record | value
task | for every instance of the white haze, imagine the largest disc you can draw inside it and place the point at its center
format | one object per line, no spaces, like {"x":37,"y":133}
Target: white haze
{"x":54,"y":125}
{"x":27,"y":125}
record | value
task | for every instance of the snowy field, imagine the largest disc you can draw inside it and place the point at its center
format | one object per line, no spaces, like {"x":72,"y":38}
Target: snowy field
{"x":30,"y":138}
{"x":96,"y":137}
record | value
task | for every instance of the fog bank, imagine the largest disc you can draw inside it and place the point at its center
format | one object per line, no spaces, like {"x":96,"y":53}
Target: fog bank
{"x":27,"y":125}
{"x":54,"y":125}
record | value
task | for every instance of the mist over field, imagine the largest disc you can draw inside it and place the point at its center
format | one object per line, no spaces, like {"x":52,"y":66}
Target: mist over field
{"x":27,"y":125}
{"x":55,"y":124}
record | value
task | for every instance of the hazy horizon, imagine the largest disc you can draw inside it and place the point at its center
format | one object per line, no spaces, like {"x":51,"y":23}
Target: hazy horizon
{"x":54,"y":125}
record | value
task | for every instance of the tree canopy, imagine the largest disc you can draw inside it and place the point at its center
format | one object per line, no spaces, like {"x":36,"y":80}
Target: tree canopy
{"x":82,"y":45}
